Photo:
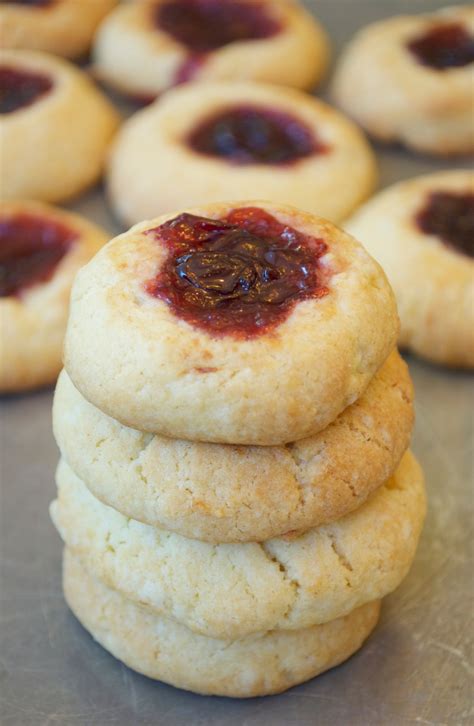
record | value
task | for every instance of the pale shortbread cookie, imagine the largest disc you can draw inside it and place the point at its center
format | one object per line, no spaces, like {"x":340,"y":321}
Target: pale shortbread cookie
{"x":153,"y":144}
{"x":133,"y":357}
{"x":135,"y":56}
{"x":433,"y":282}
{"x":232,"y":590}
{"x":383,"y":85}
{"x":62,"y":27}
{"x":33,"y":322}
{"x":55,"y":147}
{"x":253,"y":666}
{"x":221,"y":493}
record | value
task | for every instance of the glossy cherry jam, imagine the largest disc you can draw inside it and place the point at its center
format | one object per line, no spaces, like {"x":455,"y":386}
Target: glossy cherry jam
{"x":238,"y":276}
{"x":19,"y":88}
{"x":204,"y":25}
{"x":450,"y":217}
{"x":30,"y":249}
{"x":444,"y":46}
{"x":253,"y":135}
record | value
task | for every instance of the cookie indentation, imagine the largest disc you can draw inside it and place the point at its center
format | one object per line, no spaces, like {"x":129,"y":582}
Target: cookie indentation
{"x":205,"y":25}
{"x":444,"y":46}
{"x":238,"y":276}
{"x":19,"y":88}
{"x":30,"y":249}
{"x":450,"y":217}
{"x":253,"y":135}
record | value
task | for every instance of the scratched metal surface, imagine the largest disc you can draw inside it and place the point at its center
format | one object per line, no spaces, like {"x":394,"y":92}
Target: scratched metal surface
{"x":414,"y":669}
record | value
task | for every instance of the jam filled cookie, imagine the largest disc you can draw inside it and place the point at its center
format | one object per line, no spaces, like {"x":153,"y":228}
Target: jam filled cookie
{"x":220,"y":141}
{"x":224,"y":493}
{"x":422,"y":233}
{"x":55,"y":127}
{"x":61,"y":27}
{"x":162,"y":649}
{"x":410,"y":79}
{"x":242,"y":323}
{"x":144,"y":48}
{"x":280,"y":584}
{"x":41,"y":249}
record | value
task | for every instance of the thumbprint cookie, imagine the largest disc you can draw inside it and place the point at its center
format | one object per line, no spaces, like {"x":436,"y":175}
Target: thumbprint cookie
{"x":144,"y":48}
{"x":162,"y":649}
{"x":221,"y":493}
{"x":410,"y":79}
{"x":242,"y":323}
{"x":41,"y":249}
{"x":61,"y":27}
{"x":213,"y":142}
{"x":55,"y":127}
{"x":422,"y":233}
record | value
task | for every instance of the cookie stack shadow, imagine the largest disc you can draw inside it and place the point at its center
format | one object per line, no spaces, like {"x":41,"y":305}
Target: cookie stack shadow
{"x":232,"y":569}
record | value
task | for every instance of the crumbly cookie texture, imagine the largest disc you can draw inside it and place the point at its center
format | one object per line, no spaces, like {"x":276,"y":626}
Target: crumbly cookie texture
{"x":254,"y":666}
{"x":54,"y":122}
{"x":287,"y":583}
{"x":132,"y":357}
{"x":32,"y":325}
{"x":220,"y":493}
{"x":423,"y":107}
{"x":152,"y":145}
{"x":434,"y":283}
{"x":134,"y":56}
{"x":65,"y":28}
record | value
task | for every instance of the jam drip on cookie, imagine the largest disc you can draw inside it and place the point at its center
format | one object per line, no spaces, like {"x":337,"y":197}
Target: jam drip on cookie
{"x":206,"y":25}
{"x":450,"y":217}
{"x":444,"y":46}
{"x":30,"y":249}
{"x":238,"y":276}
{"x":19,"y":88}
{"x":252,"y":135}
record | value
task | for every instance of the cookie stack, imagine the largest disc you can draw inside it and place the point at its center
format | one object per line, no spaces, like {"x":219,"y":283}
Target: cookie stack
{"x":235,"y":495}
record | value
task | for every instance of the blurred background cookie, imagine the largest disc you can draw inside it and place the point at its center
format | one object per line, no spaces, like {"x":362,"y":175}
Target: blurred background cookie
{"x":410,"y":79}
{"x":144,"y":48}
{"x":62,"y":27}
{"x":422,"y":233}
{"x":213,"y":142}
{"x":41,"y":249}
{"x":55,"y":127}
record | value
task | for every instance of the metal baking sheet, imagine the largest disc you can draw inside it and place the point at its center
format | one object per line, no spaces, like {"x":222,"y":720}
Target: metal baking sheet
{"x":415,"y":669}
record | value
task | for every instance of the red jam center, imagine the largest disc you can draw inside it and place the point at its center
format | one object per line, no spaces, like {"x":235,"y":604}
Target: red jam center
{"x":252,"y":135}
{"x":238,"y":276}
{"x":450,"y":217}
{"x":204,"y":25}
{"x":444,"y":46}
{"x":19,"y":88}
{"x":30,"y":249}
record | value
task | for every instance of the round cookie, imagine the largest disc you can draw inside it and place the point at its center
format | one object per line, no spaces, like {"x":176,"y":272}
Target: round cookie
{"x":245,"y":323}
{"x":62,"y":27}
{"x":270,"y":143}
{"x":287,"y":583}
{"x":41,"y":249}
{"x":422,"y":233}
{"x":45,"y":106}
{"x":164,"y":650}
{"x":419,"y":68}
{"x":144,"y":48}
{"x":220,"y":493}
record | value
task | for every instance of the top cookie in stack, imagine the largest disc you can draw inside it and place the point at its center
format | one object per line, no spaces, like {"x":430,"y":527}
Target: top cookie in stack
{"x":231,"y":377}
